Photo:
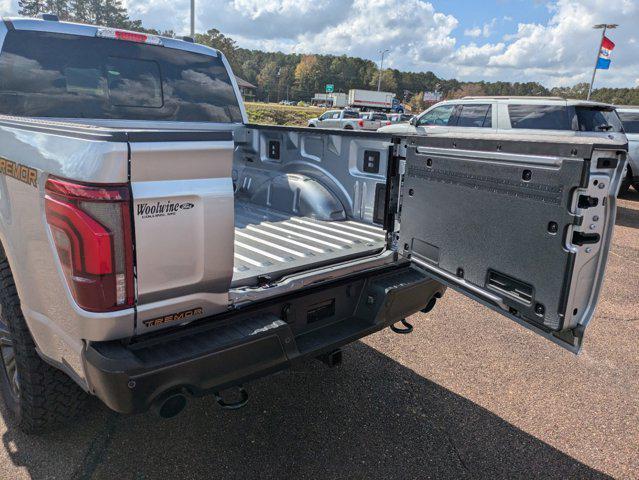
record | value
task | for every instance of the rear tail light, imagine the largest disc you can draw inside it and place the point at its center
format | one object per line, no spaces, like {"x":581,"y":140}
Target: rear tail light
{"x":91,"y":229}
{"x":360,"y":123}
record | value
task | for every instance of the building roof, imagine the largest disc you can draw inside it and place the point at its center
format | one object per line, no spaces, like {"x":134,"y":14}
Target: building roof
{"x":244,"y":84}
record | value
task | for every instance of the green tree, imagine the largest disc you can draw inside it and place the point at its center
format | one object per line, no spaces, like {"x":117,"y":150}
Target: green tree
{"x":31,"y":8}
{"x":268,"y":81}
{"x":306,"y":76}
{"x":110,"y":13}
{"x":215,"y":39}
{"x":388,"y":83}
{"x":60,"y":8}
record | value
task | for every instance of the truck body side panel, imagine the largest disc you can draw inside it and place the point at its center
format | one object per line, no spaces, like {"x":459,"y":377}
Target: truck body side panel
{"x":184,"y":223}
{"x":27,"y":157}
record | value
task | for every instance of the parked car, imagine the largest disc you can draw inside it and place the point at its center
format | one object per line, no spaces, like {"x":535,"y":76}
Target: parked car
{"x":343,"y":119}
{"x":400,"y":117}
{"x":373,"y":120}
{"x":630,"y":118}
{"x":155,"y":246}
{"x":515,"y":115}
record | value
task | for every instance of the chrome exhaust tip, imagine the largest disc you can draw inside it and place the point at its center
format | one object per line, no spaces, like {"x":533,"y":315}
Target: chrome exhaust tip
{"x":171,"y":405}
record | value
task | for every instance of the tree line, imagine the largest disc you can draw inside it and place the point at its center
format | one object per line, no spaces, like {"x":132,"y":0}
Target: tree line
{"x":279,"y":76}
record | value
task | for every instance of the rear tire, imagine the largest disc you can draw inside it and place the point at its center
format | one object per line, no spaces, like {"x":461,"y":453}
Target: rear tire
{"x":348,"y":127}
{"x":626,"y":183}
{"x":39,"y":396}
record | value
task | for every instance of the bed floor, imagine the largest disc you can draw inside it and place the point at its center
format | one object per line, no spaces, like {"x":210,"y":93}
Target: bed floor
{"x":271,"y":243}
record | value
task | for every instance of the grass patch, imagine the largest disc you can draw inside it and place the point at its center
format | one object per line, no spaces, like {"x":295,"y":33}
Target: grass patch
{"x":276,"y":114}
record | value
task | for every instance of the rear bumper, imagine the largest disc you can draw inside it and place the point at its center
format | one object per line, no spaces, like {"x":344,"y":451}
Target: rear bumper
{"x":214,"y":355}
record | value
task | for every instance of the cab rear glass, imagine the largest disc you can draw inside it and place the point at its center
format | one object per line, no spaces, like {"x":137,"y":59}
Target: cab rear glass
{"x":46,"y":74}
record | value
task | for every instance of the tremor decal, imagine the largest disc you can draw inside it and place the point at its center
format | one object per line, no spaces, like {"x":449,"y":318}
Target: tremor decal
{"x":173,"y":317}
{"x":20,"y":172}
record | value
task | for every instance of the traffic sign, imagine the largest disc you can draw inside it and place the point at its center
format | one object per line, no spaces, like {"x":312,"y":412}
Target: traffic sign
{"x":330,"y":88}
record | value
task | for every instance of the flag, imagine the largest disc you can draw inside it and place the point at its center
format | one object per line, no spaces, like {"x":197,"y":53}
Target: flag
{"x":607,"y":45}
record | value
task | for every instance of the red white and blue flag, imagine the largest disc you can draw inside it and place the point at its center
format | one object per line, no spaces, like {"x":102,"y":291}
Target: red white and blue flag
{"x":607,"y":46}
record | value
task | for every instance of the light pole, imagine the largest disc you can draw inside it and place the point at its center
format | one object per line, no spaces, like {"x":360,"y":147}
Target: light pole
{"x":193,"y":19}
{"x":279,"y":72}
{"x":603,"y":27}
{"x":381,"y":68}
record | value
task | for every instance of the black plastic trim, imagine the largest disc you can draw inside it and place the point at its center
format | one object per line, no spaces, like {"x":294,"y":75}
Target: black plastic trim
{"x":324,"y":131}
{"x":210,"y":357}
{"x":516,"y":145}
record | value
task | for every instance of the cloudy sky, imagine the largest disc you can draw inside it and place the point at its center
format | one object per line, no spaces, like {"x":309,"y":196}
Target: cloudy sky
{"x":516,"y":40}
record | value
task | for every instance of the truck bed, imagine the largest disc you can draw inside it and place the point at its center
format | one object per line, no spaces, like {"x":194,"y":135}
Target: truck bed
{"x":269,"y":243}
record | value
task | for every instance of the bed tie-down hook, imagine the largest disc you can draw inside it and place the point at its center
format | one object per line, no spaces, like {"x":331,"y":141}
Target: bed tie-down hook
{"x":407,"y":327}
{"x":243,"y":400}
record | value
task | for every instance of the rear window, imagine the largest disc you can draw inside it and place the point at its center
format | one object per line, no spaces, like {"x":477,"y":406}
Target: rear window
{"x":349,"y":114}
{"x":596,"y":119}
{"x":475,"y":115}
{"x":630,"y":121}
{"x":539,"y":117}
{"x":57,"y":75}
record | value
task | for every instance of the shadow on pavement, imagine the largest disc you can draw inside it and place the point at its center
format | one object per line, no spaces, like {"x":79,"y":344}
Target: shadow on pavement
{"x":369,"y":418}
{"x":627,"y":217}
{"x":632,"y":194}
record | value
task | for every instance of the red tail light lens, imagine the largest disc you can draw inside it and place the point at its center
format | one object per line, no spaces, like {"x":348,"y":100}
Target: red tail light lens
{"x":91,"y":229}
{"x":128,"y":36}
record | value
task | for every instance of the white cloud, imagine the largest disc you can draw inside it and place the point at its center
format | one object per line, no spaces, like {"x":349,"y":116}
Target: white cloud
{"x":377,"y":24}
{"x":473,"y":32}
{"x":563,"y":50}
{"x":475,"y":55}
{"x":420,"y":37}
{"x":487,"y":29}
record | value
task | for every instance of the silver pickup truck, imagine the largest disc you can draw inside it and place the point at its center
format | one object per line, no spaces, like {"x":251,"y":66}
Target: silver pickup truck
{"x":155,"y":246}
{"x":344,"y":119}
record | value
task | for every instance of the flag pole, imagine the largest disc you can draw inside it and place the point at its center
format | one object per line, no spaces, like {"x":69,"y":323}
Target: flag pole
{"x":604,"y":26}
{"x":594,"y":70}
{"x":193,"y":19}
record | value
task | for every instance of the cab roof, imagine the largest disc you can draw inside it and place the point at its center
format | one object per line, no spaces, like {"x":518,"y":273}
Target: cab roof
{"x":81,"y":29}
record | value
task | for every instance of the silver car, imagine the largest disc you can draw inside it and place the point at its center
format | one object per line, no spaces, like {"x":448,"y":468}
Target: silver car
{"x":630,"y":119}
{"x":342,"y":119}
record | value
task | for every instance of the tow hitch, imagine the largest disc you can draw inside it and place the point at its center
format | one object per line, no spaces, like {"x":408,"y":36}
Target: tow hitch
{"x":408,"y":328}
{"x":242,"y":401}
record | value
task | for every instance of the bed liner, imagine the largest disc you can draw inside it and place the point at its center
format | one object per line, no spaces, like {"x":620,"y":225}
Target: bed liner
{"x":270,"y":244}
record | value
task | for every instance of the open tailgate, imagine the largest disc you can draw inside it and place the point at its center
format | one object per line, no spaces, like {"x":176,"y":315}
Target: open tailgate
{"x":520,"y":224}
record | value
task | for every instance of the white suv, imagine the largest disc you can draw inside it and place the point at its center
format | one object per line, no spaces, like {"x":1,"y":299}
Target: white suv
{"x":630,"y":119}
{"x":517,"y":115}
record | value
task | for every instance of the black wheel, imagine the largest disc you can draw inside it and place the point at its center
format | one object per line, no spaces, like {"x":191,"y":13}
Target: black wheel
{"x":10,"y":381}
{"x":636,"y":186}
{"x":38,"y":395}
{"x":348,"y":127}
{"x":626,"y":183}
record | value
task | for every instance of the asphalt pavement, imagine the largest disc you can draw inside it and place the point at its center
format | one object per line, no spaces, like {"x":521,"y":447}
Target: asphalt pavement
{"x":469,"y":394}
